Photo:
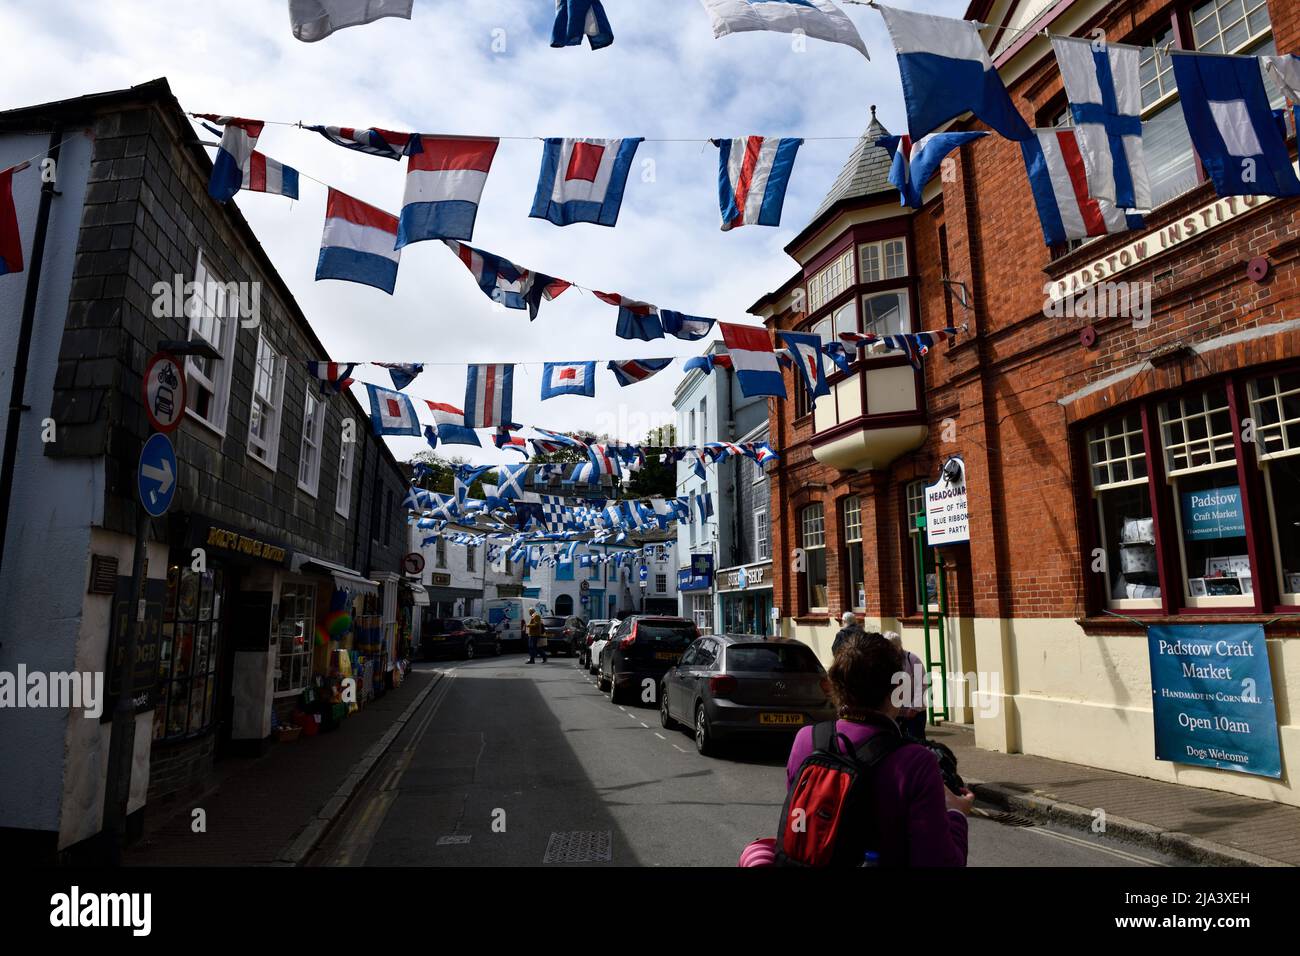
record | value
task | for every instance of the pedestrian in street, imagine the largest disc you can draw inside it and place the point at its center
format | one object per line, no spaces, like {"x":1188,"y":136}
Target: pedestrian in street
{"x":849,"y":625}
{"x":913,"y":688}
{"x":536,"y":637}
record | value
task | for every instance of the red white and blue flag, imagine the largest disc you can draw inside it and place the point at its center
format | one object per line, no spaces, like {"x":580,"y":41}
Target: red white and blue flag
{"x":504,"y":282}
{"x":444,"y":182}
{"x":391,"y":413}
{"x":489,"y":395}
{"x":568,"y":378}
{"x":11,"y":242}
{"x":636,"y":320}
{"x":637,"y":370}
{"x":402,"y":373}
{"x":582,"y":180}
{"x":754,"y":360}
{"x":552,"y":442}
{"x":333,"y":376}
{"x":358,"y":243}
{"x":505,"y":440}
{"x":238,"y":140}
{"x":605,"y":459}
{"x":1059,"y":183}
{"x":753,"y":175}
{"x":265,"y":175}
{"x":450,"y":426}
{"x":374,"y":142}
{"x":806,"y":351}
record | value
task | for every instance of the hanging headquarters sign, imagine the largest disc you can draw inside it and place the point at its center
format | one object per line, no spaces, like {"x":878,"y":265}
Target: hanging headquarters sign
{"x":1212,"y":698}
{"x":947,"y":517}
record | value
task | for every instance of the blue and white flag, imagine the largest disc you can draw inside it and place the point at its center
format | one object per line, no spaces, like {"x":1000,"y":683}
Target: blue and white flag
{"x":445,"y":176}
{"x":1103,"y":85}
{"x":489,"y":395}
{"x":402,"y":374}
{"x":466,"y":475}
{"x":391,"y":413}
{"x":836,"y":352}
{"x":1285,"y":71}
{"x":637,"y":370}
{"x":238,"y":140}
{"x":511,"y":480}
{"x":820,"y":19}
{"x":582,"y":180}
{"x":636,"y":320}
{"x":691,"y":328}
{"x":915,"y":163}
{"x":704,"y":506}
{"x":373,"y":142}
{"x":946,"y":71}
{"x":1059,"y":183}
{"x":568,"y":378}
{"x":1232,"y":126}
{"x":806,"y":350}
{"x":506,"y":283}
{"x":575,"y":19}
{"x":753,"y":174}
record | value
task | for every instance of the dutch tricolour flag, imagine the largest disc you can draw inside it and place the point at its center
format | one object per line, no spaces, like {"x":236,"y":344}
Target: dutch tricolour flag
{"x":946,"y":72}
{"x":637,"y":370}
{"x":582,"y":180}
{"x":1059,"y":182}
{"x":358,"y":243}
{"x":568,"y":378}
{"x":753,"y":174}
{"x":265,"y":175}
{"x":489,"y":395}
{"x":751,"y":354}
{"x":444,"y":182}
{"x":450,"y":425}
{"x":915,"y":163}
{"x":1105,"y":92}
{"x":11,"y":241}
{"x":238,"y":141}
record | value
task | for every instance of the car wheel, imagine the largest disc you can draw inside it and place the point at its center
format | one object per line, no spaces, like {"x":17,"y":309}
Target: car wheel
{"x":665,"y":718}
{"x":704,"y":742}
{"x":600,"y":679}
{"x":614,"y":696}
{"x":496,"y":649}
{"x":469,"y":649}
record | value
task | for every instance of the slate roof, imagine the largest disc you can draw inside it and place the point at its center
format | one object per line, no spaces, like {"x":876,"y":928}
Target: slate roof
{"x":865,"y":173}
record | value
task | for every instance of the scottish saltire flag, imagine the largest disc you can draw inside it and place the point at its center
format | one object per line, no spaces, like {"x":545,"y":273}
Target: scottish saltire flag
{"x":751,"y":354}
{"x":489,"y":395}
{"x":637,"y":370}
{"x":506,"y":441}
{"x":820,"y":19}
{"x":511,"y":480}
{"x":391,"y":413}
{"x":1231,"y":125}
{"x":806,"y":350}
{"x":575,"y":19}
{"x":753,"y":174}
{"x":238,"y":140}
{"x":11,"y":240}
{"x":1285,"y":71}
{"x":946,"y":71}
{"x":1104,"y":88}
{"x":374,"y":142}
{"x":444,"y":182}
{"x":568,"y":378}
{"x":402,"y":374}
{"x":265,"y":175}
{"x":357,"y":245}
{"x":314,"y":20}
{"x":1059,"y":182}
{"x":451,"y":427}
{"x":582,"y":180}
{"x":333,"y":376}
{"x":688,"y":327}
{"x":466,"y":475}
{"x":706,"y":363}
{"x":916,"y":163}
{"x":504,"y":282}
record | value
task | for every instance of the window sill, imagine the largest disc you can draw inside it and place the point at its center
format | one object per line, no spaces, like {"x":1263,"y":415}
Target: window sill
{"x":267,"y":466}
{"x":218,"y":430}
{"x":309,"y":489}
{"x":813,"y":619}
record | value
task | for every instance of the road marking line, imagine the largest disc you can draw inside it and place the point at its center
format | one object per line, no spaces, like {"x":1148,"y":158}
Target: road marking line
{"x":675,"y":747}
{"x":660,"y":736}
{"x":622,"y":708}
{"x":1133,"y":857}
{"x":644,"y":724}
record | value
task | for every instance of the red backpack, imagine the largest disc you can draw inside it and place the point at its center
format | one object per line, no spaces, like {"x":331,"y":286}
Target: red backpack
{"x":828,"y":815}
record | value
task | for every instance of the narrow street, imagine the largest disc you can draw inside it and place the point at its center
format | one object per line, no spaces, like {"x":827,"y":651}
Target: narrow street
{"x":570,"y":777}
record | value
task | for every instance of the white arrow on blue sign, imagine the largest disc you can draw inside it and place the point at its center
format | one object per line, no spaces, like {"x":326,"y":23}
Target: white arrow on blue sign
{"x":156,"y":476}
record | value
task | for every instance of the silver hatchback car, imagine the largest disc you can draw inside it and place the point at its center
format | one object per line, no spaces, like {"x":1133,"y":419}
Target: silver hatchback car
{"x":729,"y":685}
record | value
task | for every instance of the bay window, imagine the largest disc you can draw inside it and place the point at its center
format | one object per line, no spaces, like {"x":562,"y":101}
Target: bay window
{"x":886,"y":313}
{"x":812,"y":539}
{"x":833,"y":279}
{"x":883,"y":260}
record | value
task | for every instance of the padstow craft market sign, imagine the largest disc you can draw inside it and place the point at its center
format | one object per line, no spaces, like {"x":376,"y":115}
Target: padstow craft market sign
{"x":1212,"y":697}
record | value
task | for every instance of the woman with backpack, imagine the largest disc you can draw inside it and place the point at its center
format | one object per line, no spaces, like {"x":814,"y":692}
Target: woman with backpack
{"x":858,"y":791}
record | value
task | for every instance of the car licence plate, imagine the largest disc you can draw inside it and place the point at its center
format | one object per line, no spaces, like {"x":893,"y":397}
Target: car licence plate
{"x":665,"y":656}
{"x":783,"y":719}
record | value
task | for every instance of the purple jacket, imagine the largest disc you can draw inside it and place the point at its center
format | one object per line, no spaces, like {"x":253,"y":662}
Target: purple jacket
{"x":916,"y":828}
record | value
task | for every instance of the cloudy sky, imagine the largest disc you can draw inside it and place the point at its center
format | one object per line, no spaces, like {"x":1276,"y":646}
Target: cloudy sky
{"x":485,"y":67}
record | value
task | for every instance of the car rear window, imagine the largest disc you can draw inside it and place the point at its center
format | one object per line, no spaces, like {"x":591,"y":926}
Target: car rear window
{"x":452,"y":624}
{"x":669,"y":634}
{"x":553,"y":621}
{"x":772,"y":658}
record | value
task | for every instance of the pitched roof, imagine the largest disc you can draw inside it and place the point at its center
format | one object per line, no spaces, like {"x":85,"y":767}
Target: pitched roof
{"x":865,"y":173}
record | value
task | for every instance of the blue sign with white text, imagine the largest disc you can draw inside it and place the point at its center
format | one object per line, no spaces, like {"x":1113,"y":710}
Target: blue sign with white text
{"x":699,"y":576}
{"x":1212,"y":697}
{"x":156,"y":475}
{"x":1212,"y":514}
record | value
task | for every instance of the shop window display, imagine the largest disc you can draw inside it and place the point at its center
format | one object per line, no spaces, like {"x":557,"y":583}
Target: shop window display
{"x":294,"y":637}
{"x":1120,"y":490}
{"x":1275,"y":410}
{"x":188,"y":655}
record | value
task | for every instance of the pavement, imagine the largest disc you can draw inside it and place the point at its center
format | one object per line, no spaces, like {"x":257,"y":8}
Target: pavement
{"x":1188,"y":823}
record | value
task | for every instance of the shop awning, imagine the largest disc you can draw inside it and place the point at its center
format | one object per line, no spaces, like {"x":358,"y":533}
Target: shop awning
{"x":344,"y":578}
{"x":418,"y":593}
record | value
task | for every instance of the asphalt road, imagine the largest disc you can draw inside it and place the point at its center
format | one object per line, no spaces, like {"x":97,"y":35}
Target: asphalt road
{"x":511,"y":764}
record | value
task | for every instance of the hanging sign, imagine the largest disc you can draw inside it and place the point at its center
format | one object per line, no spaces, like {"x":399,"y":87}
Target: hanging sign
{"x":1215,"y":513}
{"x":947,"y":518}
{"x":1212,"y":697}
{"x":164,"y":387}
{"x":413,"y":563}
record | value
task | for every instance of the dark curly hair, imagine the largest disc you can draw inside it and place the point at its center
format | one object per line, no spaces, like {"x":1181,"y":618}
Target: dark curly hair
{"x":862,"y":674}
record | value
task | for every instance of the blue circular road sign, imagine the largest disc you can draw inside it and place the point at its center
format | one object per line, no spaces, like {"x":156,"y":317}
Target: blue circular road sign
{"x":156,"y":475}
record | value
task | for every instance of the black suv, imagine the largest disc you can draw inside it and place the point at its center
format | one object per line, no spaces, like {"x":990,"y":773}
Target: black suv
{"x":462,"y":637}
{"x":643,"y":647}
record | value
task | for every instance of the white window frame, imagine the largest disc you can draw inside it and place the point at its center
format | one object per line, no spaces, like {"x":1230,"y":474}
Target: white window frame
{"x":812,"y":537}
{"x":267,"y":451}
{"x":1120,"y":471}
{"x":762,"y":535}
{"x":661,"y":584}
{"x":888,"y":255}
{"x":313,"y":434}
{"x":852,"y":536}
{"x":440,"y":552}
{"x":308,"y":645}
{"x":212,"y":305}
{"x":343,"y":491}
{"x":832,"y":279}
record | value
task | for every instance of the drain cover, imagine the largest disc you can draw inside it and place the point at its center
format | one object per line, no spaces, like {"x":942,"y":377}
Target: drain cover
{"x":579,"y":846}
{"x":454,"y":840}
{"x":1009,"y":819}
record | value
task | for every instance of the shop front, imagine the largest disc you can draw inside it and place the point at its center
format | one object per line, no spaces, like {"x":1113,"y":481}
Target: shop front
{"x":745,"y":599}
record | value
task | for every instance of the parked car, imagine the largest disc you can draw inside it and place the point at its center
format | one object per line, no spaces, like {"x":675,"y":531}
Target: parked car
{"x":598,"y":641}
{"x":561,"y":635}
{"x":585,"y":637}
{"x":728,"y":685}
{"x":463,"y":637}
{"x":644,"y":647}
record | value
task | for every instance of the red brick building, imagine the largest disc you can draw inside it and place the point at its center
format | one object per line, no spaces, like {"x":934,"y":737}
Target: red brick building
{"x":1079,"y":435}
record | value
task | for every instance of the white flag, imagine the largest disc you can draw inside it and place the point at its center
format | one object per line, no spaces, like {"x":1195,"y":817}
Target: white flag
{"x":1285,"y":70}
{"x":817,"y":18}
{"x":316,"y":19}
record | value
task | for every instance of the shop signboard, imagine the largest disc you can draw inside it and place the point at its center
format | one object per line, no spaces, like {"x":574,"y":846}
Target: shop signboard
{"x":144,"y":682}
{"x":1212,"y":697}
{"x":699,"y":576}
{"x":1213,"y":514}
{"x":947,"y":518}
{"x":222,"y":541}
